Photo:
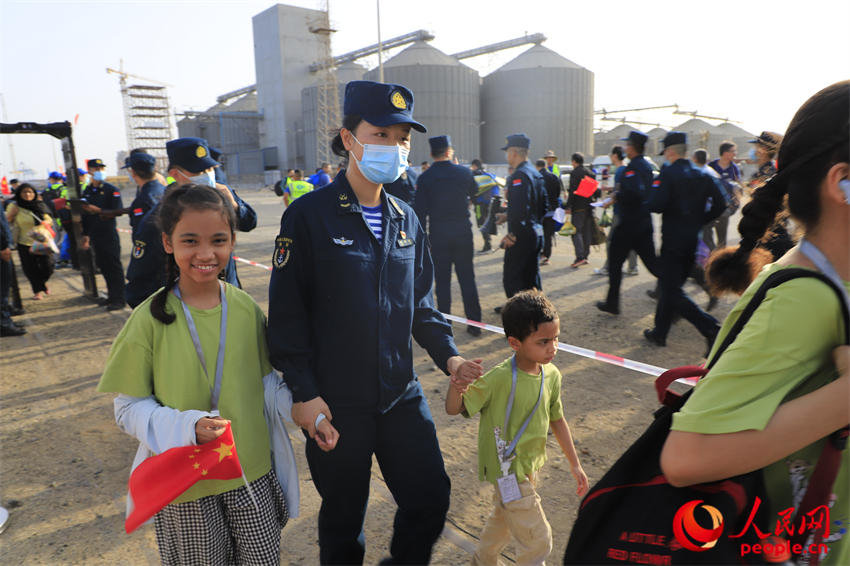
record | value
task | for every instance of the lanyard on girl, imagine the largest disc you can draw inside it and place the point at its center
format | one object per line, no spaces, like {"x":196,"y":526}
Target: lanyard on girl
{"x":812,"y":252}
{"x":215,"y":389}
{"x":508,"y":486}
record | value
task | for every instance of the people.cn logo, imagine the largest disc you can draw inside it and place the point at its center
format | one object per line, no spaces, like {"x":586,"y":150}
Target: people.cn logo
{"x":690,"y":533}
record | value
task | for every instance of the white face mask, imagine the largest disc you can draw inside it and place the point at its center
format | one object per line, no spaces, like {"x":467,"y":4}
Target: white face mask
{"x":206,"y":178}
{"x":381,"y":164}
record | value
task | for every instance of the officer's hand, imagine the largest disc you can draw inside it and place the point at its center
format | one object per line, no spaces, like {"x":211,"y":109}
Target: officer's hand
{"x":6,"y":254}
{"x":85,"y":242}
{"x":90,"y":208}
{"x":508,"y":241}
{"x":227,"y":194}
{"x":501,"y":217}
{"x":326,"y":436}
{"x":208,"y":429}
{"x":304,"y":414}
{"x":463,"y":372}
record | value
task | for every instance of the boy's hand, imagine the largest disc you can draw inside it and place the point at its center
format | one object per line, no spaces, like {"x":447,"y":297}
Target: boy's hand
{"x":463,"y":372}
{"x":581,"y":480}
{"x":208,"y":429}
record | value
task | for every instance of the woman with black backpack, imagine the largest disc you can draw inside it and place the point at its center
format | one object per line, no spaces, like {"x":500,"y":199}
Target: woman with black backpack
{"x":772,"y":399}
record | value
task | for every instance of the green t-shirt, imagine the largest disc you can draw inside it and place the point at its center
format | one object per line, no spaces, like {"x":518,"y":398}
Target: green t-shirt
{"x":151,"y":358}
{"x":489,"y":395}
{"x":783,"y":352}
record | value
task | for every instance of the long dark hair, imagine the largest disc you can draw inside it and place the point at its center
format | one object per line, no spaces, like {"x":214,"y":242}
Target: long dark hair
{"x":175,"y":201}
{"x":817,"y":139}
{"x":37,"y":207}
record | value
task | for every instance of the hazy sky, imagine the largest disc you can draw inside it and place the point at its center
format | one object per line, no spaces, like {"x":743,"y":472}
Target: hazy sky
{"x":754,"y":62}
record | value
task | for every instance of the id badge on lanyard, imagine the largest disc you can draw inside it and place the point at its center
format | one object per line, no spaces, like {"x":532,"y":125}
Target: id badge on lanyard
{"x":215,"y":387}
{"x":508,"y":484}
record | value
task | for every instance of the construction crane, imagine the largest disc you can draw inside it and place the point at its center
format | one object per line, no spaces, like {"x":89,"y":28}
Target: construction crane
{"x":147,"y":115}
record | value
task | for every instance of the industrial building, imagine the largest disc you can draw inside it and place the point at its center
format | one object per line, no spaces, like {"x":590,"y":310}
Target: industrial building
{"x":300,"y":84}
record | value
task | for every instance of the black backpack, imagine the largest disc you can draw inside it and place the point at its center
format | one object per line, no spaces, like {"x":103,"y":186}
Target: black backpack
{"x":633,"y":516}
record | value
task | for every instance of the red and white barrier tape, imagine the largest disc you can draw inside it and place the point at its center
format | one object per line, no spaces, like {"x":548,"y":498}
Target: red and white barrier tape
{"x":578,"y":351}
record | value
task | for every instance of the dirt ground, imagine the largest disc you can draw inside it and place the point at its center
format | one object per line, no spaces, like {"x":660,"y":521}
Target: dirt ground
{"x":64,"y":464}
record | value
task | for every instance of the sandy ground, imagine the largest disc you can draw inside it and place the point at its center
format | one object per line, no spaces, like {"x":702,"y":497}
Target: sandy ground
{"x":64,"y":464}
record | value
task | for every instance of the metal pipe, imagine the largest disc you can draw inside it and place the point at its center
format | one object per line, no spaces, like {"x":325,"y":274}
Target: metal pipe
{"x":380,"y":46}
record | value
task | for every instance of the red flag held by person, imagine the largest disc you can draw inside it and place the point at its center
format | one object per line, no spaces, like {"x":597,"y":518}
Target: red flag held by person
{"x":587,"y":187}
{"x":4,"y":186}
{"x":159,"y":480}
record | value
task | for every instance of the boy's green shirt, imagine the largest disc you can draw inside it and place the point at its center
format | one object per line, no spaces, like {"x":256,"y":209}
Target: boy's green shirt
{"x":489,"y":396}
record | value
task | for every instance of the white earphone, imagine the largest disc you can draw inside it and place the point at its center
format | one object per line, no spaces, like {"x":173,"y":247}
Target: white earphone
{"x":845,"y":186}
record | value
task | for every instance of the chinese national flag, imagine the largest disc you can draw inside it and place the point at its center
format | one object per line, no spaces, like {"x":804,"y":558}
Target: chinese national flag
{"x":161,"y":479}
{"x":4,"y":186}
{"x":587,"y":187}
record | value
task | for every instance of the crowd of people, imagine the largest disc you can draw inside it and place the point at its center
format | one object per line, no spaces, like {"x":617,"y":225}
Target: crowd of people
{"x":354,"y":266}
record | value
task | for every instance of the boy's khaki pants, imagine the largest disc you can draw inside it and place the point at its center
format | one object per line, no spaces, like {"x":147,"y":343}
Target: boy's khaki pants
{"x":525,"y":520}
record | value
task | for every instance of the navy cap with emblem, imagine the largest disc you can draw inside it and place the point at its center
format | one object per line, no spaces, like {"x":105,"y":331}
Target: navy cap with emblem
{"x":380,"y":104}
{"x":673,"y":138}
{"x":192,"y":154}
{"x":95,"y":163}
{"x":517,"y":140}
{"x":439,"y":143}
{"x":139,"y":160}
{"x":215,"y":153}
{"x":636,"y":137}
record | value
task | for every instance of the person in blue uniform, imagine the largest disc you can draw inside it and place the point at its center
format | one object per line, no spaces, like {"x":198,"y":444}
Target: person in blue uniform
{"x":351,"y":283}
{"x":526,"y":208}
{"x":442,"y":203}
{"x":101,"y":204}
{"x":404,"y":188}
{"x":633,"y":230}
{"x":191,"y":161}
{"x":681,"y":194}
{"x":146,"y":272}
{"x":140,"y":169}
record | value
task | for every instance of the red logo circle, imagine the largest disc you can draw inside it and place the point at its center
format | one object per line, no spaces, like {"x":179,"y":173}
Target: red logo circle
{"x":690,"y":534}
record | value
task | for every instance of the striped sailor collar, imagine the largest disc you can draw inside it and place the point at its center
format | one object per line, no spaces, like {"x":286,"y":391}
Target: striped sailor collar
{"x":347,"y":203}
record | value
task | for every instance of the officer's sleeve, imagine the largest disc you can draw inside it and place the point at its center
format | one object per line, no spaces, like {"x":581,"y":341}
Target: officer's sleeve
{"x":5,"y":231}
{"x":518,"y":194}
{"x":290,"y":299}
{"x":246,"y":216}
{"x":471,"y":187}
{"x":115,"y":202}
{"x":430,"y":329}
{"x":718,"y":203}
{"x":659,"y":194}
{"x":631,"y":190}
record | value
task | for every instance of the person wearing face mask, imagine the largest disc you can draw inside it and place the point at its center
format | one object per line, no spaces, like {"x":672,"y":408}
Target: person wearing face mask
{"x":192,"y":160}
{"x":351,"y":283}
{"x":101,"y":204}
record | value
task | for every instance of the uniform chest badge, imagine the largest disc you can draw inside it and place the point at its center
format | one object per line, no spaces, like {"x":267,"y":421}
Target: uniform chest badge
{"x":282,"y":252}
{"x":138,"y":249}
{"x":656,"y":183}
{"x":630,"y":173}
{"x":342,"y":241}
{"x":516,"y":182}
{"x":138,"y":212}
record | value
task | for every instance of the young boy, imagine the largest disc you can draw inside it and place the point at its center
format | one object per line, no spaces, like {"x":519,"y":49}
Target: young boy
{"x":530,"y":385}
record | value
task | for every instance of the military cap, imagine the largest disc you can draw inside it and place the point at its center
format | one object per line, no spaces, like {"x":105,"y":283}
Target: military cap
{"x":517,"y":140}
{"x":192,"y":154}
{"x":439,"y":143}
{"x":673,"y":138}
{"x":380,"y":104}
{"x":95,"y":163}
{"x":139,"y":160}
{"x":215,"y":153}
{"x":636,"y":137}
{"x":54,"y":175}
{"x":550,"y":153}
{"x":770,"y":140}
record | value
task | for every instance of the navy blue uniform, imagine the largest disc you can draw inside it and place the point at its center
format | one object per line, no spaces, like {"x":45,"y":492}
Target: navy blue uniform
{"x":146,"y":272}
{"x":404,"y":187}
{"x":526,"y":208}
{"x":246,"y":220}
{"x":104,"y":238}
{"x":442,"y":202}
{"x":147,"y":197}
{"x":633,"y":230}
{"x":681,"y":194}
{"x":342,"y":308}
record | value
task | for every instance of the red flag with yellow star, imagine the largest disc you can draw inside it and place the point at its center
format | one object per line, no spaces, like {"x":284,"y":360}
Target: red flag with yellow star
{"x":159,"y":480}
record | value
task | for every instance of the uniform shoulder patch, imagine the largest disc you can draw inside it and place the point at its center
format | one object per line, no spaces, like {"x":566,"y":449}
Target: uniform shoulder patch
{"x":282,"y":252}
{"x":396,"y":206}
{"x":138,"y":249}
{"x":516,"y":182}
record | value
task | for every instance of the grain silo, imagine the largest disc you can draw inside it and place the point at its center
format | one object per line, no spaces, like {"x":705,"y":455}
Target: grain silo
{"x":543,"y":94}
{"x":446,"y":98}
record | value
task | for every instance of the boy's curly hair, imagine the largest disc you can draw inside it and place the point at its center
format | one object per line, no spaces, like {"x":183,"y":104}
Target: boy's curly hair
{"x":525,"y":311}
